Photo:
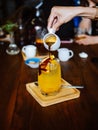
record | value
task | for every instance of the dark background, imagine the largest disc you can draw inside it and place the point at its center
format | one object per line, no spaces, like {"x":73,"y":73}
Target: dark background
{"x":8,"y":7}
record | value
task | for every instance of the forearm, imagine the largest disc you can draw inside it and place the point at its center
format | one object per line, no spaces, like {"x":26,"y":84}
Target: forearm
{"x":60,"y":15}
{"x":87,"y":12}
{"x":95,"y":38}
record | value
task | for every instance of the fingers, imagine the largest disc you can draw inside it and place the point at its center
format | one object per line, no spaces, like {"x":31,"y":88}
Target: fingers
{"x":52,"y":23}
{"x":82,"y":42}
{"x":54,"y":20}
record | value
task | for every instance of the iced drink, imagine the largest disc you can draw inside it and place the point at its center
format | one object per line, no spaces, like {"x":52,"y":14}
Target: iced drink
{"x":49,"y":77}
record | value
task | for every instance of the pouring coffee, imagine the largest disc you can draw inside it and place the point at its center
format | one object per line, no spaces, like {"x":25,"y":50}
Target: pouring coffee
{"x":51,"y":41}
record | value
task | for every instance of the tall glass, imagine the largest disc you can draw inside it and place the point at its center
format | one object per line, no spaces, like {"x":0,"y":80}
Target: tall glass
{"x":49,"y":77}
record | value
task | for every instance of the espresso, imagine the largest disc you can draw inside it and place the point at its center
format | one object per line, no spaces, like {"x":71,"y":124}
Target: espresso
{"x":50,"y":40}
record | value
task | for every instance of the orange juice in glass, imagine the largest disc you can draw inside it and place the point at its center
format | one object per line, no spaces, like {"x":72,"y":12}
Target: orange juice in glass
{"x":49,"y":77}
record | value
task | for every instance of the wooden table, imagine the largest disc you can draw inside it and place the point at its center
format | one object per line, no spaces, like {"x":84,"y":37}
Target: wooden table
{"x":20,"y":111}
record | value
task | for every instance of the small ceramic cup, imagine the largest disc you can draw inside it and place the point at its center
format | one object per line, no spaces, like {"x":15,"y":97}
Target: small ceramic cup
{"x":29,"y":51}
{"x":65,"y":54}
{"x":52,"y":38}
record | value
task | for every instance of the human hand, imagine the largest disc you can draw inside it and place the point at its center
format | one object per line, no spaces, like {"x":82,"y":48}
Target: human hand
{"x":60,"y":15}
{"x":88,"y":40}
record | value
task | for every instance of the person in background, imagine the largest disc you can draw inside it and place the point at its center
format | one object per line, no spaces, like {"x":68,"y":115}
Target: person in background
{"x":60,"y":15}
{"x":86,"y":24}
{"x":66,"y":31}
{"x":89,"y":26}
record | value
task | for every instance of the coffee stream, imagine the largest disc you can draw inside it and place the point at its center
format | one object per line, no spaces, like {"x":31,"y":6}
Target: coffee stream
{"x":50,"y":40}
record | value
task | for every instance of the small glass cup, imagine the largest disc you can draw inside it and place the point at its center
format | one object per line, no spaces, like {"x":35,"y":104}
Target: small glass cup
{"x":12,"y":48}
{"x":40,"y":32}
{"x":49,"y":76}
{"x":80,"y":34}
{"x":10,"y":28}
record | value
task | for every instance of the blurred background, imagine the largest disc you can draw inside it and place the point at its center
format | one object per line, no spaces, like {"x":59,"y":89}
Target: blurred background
{"x":29,"y":9}
{"x":9,"y":7}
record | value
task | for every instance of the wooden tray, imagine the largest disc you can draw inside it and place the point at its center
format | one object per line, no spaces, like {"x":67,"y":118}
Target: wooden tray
{"x":64,"y":94}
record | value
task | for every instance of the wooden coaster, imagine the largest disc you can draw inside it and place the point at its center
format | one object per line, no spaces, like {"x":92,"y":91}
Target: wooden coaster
{"x":64,"y":94}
